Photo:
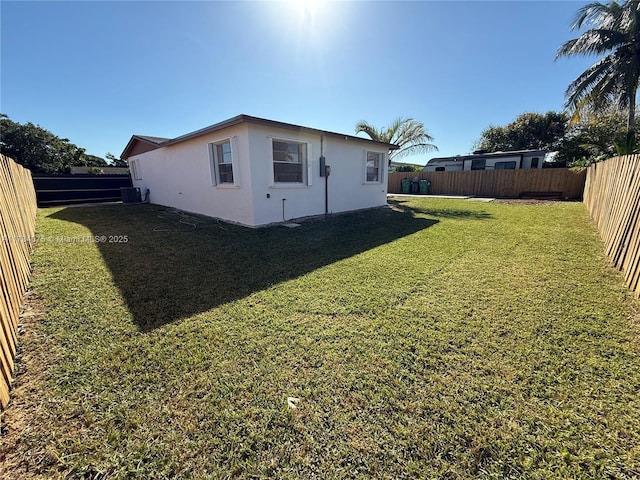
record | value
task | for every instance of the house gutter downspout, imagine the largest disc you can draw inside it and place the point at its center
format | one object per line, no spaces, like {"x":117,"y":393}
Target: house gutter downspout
{"x":326,"y":181}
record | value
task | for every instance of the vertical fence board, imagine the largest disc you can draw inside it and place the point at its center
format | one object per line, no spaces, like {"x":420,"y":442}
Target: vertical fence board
{"x":18,"y":216}
{"x":612,"y":197}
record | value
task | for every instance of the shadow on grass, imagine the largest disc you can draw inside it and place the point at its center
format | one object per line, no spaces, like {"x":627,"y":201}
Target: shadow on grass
{"x":441,"y":212}
{"x":174,"y":266}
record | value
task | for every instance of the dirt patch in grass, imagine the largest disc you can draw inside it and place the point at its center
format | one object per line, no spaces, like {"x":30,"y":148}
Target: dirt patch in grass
{"x":35,"y":354}
{"x":525,"y":201}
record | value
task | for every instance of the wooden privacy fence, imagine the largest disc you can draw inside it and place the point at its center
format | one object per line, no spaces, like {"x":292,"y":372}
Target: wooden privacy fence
{"x":558,"y":182}
{"x":18,"y":219}
{"x":612,"y":196}
{"x":68,"y":189}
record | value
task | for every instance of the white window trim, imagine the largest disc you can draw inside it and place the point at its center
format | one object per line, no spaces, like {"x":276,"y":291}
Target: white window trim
{"x":307,"y":176}
{"x":381,"y":168}
{"x":135,"y":169}
{"x":213,"y":162}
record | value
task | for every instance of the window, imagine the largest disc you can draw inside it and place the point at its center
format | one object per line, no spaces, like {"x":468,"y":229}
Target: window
{"x":134,"y":170}
{"x":535,"y":162}
{"x":478,"y":164}
{"x":505,"y":165}
{"x":439,"y":169}
{"x":289,"y":161}
{"x":374,"y":162}
{"x":221,"y":162}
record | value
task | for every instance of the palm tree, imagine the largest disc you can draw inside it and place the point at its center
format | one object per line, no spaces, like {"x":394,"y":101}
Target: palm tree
{"x":407,"y":133}
{"x":614,"y":33}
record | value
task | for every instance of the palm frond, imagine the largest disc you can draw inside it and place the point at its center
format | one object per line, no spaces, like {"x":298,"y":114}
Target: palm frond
{"x":415,"y":149}
{"x":615,"y":34}
{"x":407,"y":133}
{"x":368,"y":129}
{"x":595,"y":13}
{"x":393,"y":131}
{"x":588,"y":79}
{"x":592,"y":42}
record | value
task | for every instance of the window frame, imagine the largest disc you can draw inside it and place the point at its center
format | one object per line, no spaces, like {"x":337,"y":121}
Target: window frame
{"x":507,"y":162}
{"x":135,"y":169}
{"x":214,"y":163}
{"x":381,"y":169}
{"x":537,"y":162}
{"x":304,"y":164}
{"x":477,"y":161}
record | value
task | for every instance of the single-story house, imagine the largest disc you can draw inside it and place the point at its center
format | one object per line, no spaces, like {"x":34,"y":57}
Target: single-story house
{"x":512,"y":160}
{"x":255,"y":171}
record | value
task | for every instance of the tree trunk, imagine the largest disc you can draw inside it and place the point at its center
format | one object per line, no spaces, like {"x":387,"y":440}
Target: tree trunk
{"x":631,"y":121}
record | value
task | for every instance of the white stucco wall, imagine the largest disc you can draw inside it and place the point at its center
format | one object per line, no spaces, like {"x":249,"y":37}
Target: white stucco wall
{"x":346,"y":186}
{"x":180,"y":176}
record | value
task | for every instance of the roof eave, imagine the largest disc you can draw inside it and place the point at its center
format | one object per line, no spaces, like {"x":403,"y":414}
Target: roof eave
{"x":239,"y":119}
{"x":203,"y":131}
{"x":290,"y":126}
{"x":137,"y":138}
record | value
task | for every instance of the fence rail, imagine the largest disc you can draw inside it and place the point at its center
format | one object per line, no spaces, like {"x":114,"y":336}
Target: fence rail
{"x":559,"y":182}
{"x":17,"y":226}
{"x":612,"y":197}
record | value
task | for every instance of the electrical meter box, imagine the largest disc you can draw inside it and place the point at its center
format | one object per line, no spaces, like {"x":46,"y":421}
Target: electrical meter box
{"x":325,"y":170}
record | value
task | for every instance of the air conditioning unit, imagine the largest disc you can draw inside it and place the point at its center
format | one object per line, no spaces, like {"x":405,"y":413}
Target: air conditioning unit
{"x":130,"y":195}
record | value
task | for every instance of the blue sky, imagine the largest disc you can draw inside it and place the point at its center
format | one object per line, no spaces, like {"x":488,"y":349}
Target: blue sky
{"x":98,"y":72}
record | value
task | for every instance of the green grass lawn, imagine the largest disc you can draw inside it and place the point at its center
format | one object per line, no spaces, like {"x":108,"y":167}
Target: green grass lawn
{"x":439,"y":339}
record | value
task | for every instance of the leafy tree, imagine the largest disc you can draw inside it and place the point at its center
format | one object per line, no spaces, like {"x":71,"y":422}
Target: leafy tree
{"x":614,"y":34}
{"x":116,"y":162}
{"x":408,"y":133}
{"x":529,"y":131}
{"x":596,"y":137}
{"x":40,"y":150}
{"x":408,"y":168}
{"x":93,"y":161}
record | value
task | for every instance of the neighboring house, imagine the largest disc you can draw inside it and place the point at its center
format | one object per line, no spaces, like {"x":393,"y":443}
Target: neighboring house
{"x":255,"y":171}
{"x":488,"y":161}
